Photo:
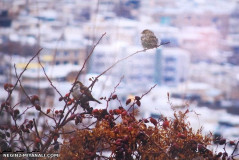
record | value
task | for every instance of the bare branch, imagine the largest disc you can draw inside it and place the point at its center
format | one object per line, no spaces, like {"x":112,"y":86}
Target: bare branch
{"x":92,"y":84}
{"x":20,"y":134}
{"x":49,"y":80}
{"x":71,"y":90}
{"x":107,"y":105}
{"x":235,"y":148}
{"x":25,"y":111}
{"x":18,"y":77}
{"x":148,"y":91}
{"x":37,"y":133}
{"x":25,"y":68}
{"x":29,"y":98}
{"x":132,"y":105}
{"x":87,"y":60}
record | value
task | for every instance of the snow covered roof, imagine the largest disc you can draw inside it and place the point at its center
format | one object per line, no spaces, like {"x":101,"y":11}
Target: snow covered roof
{"x":63,"y":45}
{"x":49,"y":14}
{"x":57,"y":71}
{"x":200,"y":117}
{"x":199,"y":7}
{"x":197,"y":85}
{"x":229,"y":118}
{"x":124,"y":22}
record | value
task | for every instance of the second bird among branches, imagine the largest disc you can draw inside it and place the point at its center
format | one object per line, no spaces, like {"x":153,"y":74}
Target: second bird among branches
{"x":82,"y":93}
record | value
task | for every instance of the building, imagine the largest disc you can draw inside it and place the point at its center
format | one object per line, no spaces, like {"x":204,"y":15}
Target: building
{"x":223,"y":77}
{"x":233,"y":36}
{"x":181,"y":14}
{"x":174,"y":66}
{"x":201,"y":42}
{"x":137,"y":70}
{"x":65,"y":52}
{"x":5,"y":20}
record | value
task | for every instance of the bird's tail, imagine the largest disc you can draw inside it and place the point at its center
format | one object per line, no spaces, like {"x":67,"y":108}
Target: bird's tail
{"x":97,"y":101}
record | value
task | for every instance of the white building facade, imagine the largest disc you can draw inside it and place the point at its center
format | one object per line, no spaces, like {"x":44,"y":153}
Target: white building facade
{"x":174,"y":66}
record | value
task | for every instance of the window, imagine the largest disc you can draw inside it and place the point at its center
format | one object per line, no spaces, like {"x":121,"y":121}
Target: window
{"x":170,"y":59}
{"x":182,"y":79}
{"x":149,"y":77}
{"x":76,"y":53}
{"x":156,"y":116}
{"x":57,"y":63}
{"x":215,"y":19}
{"x":99,"y":55}
{"x":58,"y":53}
{"x":99,"y":64}
{"x":169,"y":79}
{"x":168,"y":69}
{"x":165,"y":20}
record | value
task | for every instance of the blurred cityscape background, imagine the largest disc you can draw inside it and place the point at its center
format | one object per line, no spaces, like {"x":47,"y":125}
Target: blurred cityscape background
{"x":199,"y":68}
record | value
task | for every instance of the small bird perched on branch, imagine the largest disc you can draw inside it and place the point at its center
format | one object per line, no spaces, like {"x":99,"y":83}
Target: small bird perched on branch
{"x":82,"y":93}
{"x":148,"y":39}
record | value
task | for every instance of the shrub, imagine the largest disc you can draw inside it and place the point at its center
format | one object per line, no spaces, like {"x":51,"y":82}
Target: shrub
{"x":137,"y":139}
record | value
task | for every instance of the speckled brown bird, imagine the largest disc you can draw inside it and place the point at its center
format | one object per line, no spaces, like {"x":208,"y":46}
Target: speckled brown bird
{"x":148,"y":39}
{"x":81,"y":92}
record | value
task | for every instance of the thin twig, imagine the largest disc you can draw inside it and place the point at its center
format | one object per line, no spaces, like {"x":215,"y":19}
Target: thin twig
{"x":48,"y":116}
{"x":120,"y":60}
{"x":132,"y":105}
{"x":49,"y":80}
{"x":148,"y":91}
{"x":107,"y":105}
{"x":18,"y":77}
{"x":37,"y":133}
{"x":71,"y":90}
{"x":25,"y":68}
{"x":143,"y":96}
{"x":86,"y":61}
{"x":25,"y":111}
{"x":69,"y":111}
{"x":28,"y":97}
{"x":236,"y":146}
{"x":20,"y":134}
